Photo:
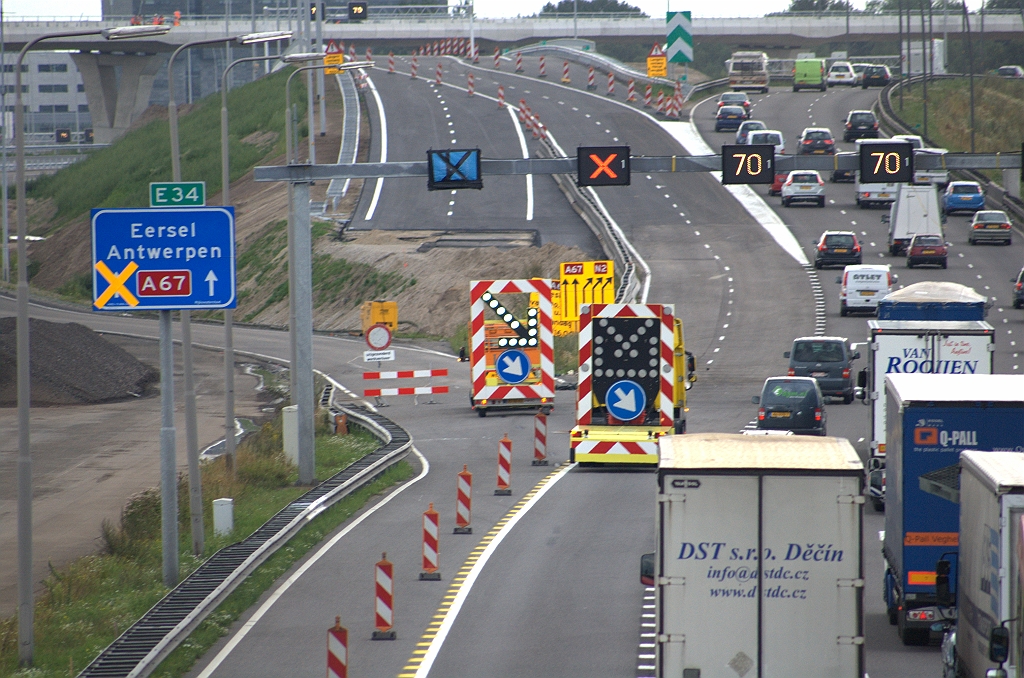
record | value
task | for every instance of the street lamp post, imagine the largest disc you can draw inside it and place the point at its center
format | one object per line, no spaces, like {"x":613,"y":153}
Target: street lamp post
{"x":191,"y":429}
{"x":25,"y":598}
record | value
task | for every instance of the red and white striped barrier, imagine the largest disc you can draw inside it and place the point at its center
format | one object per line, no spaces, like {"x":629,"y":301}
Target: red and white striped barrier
{"x":565,"y":72}
{"x":337,"y":650}
{"x":519,"y":62}
{"x":404,"y":390}
{"x":540,"y":439}
{"x":437,"y":75}
{"x":647,"y":97}
{"x":543,"y":68}
{"x":415,"y":65}
{"x":611,"y":84}
{"x":497,"y":57}
{"x":476,"y":53}
{"x":504,"y":467}
{"x":590,"y":79}
{"x":384,"y":594}
{"x":661,"y":101}
{"x":534,"y":124}
{"x":391,"y":62}
{"x":430,"y":545}
{"x":631,"y":91}
{"x":463,"y":502}
{"x":405,"y":374}
{"x":447,"y":46}
{"x":677,"y":101}
{"x":352,"y":52}
{"x":469,"y":83}
{"x":435,"y":49}
{"x":369,"y":54}
{"x":501,"y":96}
{"x":522,"y":112}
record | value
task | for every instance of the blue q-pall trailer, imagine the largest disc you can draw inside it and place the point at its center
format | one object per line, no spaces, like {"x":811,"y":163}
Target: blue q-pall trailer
{"x":931,"y":419}
{"x":933,"y":301}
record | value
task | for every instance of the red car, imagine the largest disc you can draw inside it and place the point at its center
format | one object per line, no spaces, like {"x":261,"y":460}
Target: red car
{"x":926,"y":249}
{"x":776,"y":187}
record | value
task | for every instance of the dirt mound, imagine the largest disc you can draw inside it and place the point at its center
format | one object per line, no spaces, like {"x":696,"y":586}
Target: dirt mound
{"x":70,"y":365}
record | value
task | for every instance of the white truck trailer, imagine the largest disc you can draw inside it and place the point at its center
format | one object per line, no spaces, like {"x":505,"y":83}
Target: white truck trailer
{"x":758,"y":570}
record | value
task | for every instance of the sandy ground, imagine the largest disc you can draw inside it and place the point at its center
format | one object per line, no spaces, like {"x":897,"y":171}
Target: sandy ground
{"x":87,"y":460}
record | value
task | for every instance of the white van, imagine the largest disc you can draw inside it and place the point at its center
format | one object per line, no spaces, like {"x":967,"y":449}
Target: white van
{"x":863,"y":286}
{"x":768,"y":137}
{"x":915,"y":212}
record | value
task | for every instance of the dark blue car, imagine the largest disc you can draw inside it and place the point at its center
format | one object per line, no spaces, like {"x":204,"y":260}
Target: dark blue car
{"x":730,"y":118}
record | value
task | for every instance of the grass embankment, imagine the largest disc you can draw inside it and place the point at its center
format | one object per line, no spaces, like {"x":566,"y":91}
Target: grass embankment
{"x":90,"y":602}
{"x":998,"y":125}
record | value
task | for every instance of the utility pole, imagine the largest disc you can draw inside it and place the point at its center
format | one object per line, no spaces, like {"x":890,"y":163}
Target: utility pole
{"x":924,"y":74}
{"x":903,"y":75}
{"x":970,"y":66}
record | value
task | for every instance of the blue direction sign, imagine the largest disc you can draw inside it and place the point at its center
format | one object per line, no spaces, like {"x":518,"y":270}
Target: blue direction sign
{"x":163,"y":259}
{"x":513,"y":366}
{"x":625,"y":400}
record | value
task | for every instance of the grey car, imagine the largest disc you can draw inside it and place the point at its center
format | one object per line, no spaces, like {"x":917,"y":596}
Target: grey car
{"x":827,"y":360}
{"x":791,"y":404}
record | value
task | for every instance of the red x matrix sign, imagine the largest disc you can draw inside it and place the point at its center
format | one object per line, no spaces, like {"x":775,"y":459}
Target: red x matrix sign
{"x":602,"y":165}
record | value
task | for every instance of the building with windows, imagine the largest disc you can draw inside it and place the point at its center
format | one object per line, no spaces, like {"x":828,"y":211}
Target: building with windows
{"x":52,"y":94}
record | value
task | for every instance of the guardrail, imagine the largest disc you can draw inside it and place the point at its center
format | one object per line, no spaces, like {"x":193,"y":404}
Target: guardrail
{"x":141,"y":648}
{"x":891,"y":120}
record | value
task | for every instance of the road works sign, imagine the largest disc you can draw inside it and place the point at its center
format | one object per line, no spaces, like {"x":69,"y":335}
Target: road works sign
{"x":679,"y":38}
{"x":163,"y":259}
{"x":657,"y":63}
{"x":333,"y":56}
{"x":585,"y":282}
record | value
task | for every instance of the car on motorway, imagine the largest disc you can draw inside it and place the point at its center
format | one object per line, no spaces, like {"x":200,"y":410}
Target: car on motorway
{"x":768,"y":137}
{"x":735,"y":99}
{"x":858,"y":72}
{"x":844,"y":175}
{"x":1010,"y":72}
{"x":863,"y":286}
{"x":791,"y":404}
{"x":809,"y":73}
{"x":927,"y":249}
{"x":746,"y":127}
{"x":860,"y":125}
{"x":990,"y":226}
{"x":729,"y":118}
{"x":837,"y":248}
{"x":816,"y":141}
{"x":1018,"y":289}
{"x":841,"y":73}
{"x":963,"y":196}
{"x":803,"y":186}
{"x":875,"y":76}
{"x":827,"y":360}
{"x":776,"y":187}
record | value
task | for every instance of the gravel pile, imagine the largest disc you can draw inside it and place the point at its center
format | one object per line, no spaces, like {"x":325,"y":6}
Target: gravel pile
{"x":71,"y":365}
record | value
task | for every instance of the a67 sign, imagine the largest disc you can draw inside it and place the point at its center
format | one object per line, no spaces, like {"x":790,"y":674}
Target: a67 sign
{"x":164,"y":283}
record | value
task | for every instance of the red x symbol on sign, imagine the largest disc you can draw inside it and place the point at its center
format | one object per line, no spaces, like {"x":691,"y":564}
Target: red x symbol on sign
{"x":603,"y":166}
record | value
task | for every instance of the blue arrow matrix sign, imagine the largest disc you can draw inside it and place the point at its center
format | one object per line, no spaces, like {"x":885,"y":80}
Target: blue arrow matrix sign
{"x":513,"y":366}
{"x":163,"y":259}
{"x":625,"y":400}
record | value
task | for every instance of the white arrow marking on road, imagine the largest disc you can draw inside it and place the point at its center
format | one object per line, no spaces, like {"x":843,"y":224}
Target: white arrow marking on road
{"x":211,"y":278}
{"x":627,"y":401}
{"x":513,"y":366}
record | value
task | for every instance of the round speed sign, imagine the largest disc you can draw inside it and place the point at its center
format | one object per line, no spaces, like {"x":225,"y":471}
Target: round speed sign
{"x":378,"y":337}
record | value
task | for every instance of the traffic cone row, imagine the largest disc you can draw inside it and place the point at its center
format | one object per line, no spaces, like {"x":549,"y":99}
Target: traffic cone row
{"x":446,"y":47}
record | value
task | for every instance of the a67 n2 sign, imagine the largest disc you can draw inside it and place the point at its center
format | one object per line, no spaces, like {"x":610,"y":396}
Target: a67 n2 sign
{"x":742,"y":164}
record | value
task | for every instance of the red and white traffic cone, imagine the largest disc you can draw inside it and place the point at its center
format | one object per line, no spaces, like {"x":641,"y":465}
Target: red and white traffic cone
{"x":501,"y":96}
{"x":661,"y":101}
{"x":384,"y":592}
{"x":463,"y":502}
{"x":565,"y":72}
{"x":352,"y":52}
{"x":543,"y":129}
{"x":447,"y":46}
{"x":415,"y":65}
{"x":543,"y":68}
{"x":504,"y":467}
{"x":437,"y":75}
{"x":476,"y":53}
{"x":522,"y":111}
{"x":469,"y":83}
{"x":677,"y":101}
{"x":611,"y":84}
{"x":540,"y":439}
{"x":519,"y":62}
{"x":631,"y":91}
{"x":430,"y":545}
{"x":337,"y":650}
{"x":590,"y":79}
{"x":435,"y":50}
{"x":647,"y":97}
{"x":369,"y":54}
{"x":497,"y":56}
{"x":391,"y":62}
{"x":534,"y":124}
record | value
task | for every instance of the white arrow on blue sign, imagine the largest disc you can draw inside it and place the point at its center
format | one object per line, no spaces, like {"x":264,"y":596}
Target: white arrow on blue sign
{"x":625,"y":400}
{"x":163,"y":259}
{"x":513,"y":366}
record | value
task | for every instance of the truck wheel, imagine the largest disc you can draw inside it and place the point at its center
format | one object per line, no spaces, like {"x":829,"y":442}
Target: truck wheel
{"x":847,"y":398}
{"x":892,"y":616}
{"x":679,"y":426}
{"x":843,"y":311}
{"x":481,"y":412}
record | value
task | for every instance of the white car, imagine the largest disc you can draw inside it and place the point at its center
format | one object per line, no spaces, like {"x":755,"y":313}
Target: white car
{"x":841,"y":73}
{"x":803,"y":186}
{"x":768,"y":137}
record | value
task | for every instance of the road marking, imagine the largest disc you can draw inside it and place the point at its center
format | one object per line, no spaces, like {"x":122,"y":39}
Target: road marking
{"x":280,"y":591}
{"x":526,"y":154}
{"x":462,"y":583}
{"x":383,"y":146}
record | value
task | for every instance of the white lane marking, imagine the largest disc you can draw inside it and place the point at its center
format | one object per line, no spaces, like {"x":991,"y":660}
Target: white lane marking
{"x":467,"y":585}
{"x":383,"y":147}
{"x":526,"y":154}
{"x":280,"y":591}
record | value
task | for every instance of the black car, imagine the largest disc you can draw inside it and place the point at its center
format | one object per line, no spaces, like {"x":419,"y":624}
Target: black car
{"x":791,"y":404}
{"x":837,"y":248}
{"x":1018,"y":290}
{"x":816,"y":141}
{"x":729,"y":118}
{"x":860,"y":125}
{"x":844,"y":175}
{"x":875,"y":76}
{"x":827,"y":360}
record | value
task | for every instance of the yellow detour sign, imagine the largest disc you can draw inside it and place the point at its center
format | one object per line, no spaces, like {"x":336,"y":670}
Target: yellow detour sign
{"x":333,"y":57}
{"x":559,"y":326}
{"x":585,"y":282}
{"x":657,"y":67}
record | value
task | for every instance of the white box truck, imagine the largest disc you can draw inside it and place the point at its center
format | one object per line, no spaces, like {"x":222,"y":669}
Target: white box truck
{"x":915,"y":212}
{"x":758,"y":570}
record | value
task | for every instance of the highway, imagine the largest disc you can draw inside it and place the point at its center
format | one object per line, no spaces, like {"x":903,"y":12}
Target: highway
{"x":560,"y":594}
